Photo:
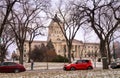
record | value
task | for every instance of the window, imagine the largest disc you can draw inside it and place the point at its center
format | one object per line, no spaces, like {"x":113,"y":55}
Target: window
{"x":24,"y":44}
{"x":79,"y":61}
{"x":24,"y":50}
{"x":11,"y":64}
{"x":88,"y":46}
{"x":58,"y":38}
{"x":91,"y":46}
{"x":95,"y":46}
{"x":8,"y":64}
{"x":85,"y":61}
{"x":63,"y":40}
{"x":5,"y":64}
{"x":75,"y":47}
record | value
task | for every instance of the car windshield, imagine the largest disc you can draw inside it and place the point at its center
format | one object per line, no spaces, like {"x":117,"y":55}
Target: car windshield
{"x":74,"y":62}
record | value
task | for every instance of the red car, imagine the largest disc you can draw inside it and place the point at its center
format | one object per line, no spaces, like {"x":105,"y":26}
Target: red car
{"x":8,"y":67}
{"x":79,"y":65}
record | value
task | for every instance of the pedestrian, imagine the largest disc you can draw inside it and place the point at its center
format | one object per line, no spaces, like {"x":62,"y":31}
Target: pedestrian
{"x":32,"y":63}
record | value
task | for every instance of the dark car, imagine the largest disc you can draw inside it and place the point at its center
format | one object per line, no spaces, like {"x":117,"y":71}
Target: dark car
{"x":8,"y":67}
{"x":115,"y":64}
{"x":79,"y":65}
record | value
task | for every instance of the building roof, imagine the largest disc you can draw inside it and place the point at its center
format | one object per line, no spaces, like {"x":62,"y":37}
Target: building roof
{"x":92,"y":43}
{"x":74,"y":41}
{"x":77,"y":41}
{"x":36,"y":41}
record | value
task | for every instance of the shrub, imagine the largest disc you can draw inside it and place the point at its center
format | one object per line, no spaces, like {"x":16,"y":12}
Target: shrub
{"x":60,"y":58}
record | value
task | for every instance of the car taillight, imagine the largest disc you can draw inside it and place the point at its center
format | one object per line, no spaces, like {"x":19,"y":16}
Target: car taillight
{"x":65,"y":65}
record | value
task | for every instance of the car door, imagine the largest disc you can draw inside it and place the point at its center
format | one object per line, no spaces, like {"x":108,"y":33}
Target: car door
{"x":84,"y":64}
{"x":12,"y":66}
{"x":4,"y":67}
{"x":79,"y":64}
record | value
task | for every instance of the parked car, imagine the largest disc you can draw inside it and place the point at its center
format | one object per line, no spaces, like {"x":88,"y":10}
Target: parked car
{"x":8,"y":67}
{"x":79,"y":65}
{"x":115,"y":64}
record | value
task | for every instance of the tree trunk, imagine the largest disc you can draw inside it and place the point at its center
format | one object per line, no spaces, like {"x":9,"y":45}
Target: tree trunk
{"x":21,"y":55}
{"x":29,"y":52}
{"x":2,"y":56}
{"x":65,"y":51}
{"x":108,"y":53}
{"x":69,"y":52}
{"x":103,"y":54}
{"x":3,"y":52}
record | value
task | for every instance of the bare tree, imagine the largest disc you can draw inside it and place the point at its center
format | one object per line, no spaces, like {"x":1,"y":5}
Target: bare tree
{"x":26,"y":11}
{"x":36,"y":26}
{"x":72,"y":20}
{"x":34,"y":32}
{"x":5,"y":11}
{"x":86,"y":33}
{"x":7,"y":40}
{"x":14,"y":56}
{"x":100,"y":16}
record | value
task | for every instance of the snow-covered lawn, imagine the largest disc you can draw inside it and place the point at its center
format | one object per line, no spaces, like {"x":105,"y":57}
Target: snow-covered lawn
{"x":98,"y":73}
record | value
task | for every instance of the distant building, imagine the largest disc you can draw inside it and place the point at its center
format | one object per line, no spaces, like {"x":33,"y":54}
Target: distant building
{"x":55,"y":34}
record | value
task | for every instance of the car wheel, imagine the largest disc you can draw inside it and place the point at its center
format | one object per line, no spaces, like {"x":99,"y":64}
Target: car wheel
{"x":89,"y":68}
{"x":16,"y":71}
{"x":113,"y":67}
{"x":72,"y":68}
{"x":64,"y":68}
